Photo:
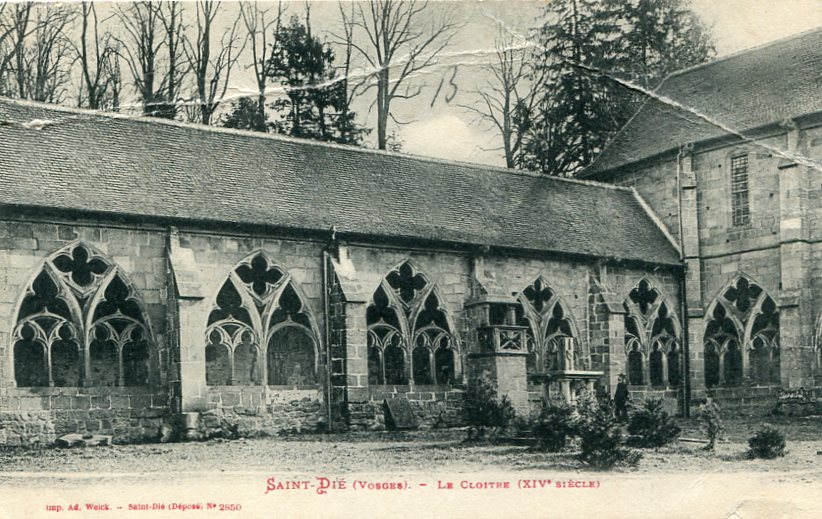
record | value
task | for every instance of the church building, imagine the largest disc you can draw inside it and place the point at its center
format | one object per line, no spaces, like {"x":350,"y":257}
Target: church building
{"x":160,"y":276}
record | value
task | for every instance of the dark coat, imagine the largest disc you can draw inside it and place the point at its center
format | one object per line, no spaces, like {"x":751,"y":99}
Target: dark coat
{"x":621,"y":395}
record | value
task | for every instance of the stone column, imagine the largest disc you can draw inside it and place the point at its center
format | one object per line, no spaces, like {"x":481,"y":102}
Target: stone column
{"x":506,"y":372}
{"x":694,"y":304}
{"x":796,"y":319}
{"x":188,"y":311}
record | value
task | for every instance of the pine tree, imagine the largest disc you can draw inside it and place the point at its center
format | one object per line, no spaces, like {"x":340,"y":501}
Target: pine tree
{"x":314,"y":100}
{"x":588,"y":51}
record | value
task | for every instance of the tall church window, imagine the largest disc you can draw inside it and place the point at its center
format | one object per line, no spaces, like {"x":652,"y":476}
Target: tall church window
{"x":742,"y":332}
{"x":740,"y":204}
{"x":80,"y":324}
{"x":651,"y":338}
{"x":409,"y":335}
{"x":260,"y":330}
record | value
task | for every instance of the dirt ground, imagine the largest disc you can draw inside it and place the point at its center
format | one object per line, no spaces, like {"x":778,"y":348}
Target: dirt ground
{"x":437,"y":473}
{"x":429,"y":451}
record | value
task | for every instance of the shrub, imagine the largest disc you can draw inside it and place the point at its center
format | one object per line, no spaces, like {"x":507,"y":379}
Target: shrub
{"x":651,"y":425}
{"x":767,"y":443}
{"x":709,"y":414}
{"x":601,"y":445}
{"x":554,"y":426}
{"x":484,"y":409}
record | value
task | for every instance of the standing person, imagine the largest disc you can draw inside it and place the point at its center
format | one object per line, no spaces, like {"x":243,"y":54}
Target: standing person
{"x":621,"y":398}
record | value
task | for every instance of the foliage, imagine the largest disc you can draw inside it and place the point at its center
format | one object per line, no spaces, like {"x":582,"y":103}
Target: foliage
{"x":709,"y":414}
{"x":595,"y":58}
{"x":601,"y":443}
{"x":483,"y":408}
{"x":768,"y":443}
{"x":651,"y":425}
{"x":554,"y":426}
{"x":313,"y":105}
{"x":245,"y":115}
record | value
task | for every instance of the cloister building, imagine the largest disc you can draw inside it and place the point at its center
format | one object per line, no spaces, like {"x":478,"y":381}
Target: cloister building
{"x":156,"y":275}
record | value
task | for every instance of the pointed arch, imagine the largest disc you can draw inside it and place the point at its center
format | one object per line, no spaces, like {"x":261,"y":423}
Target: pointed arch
{"x":550,"y":322}
{"x":652,"y":331}
{"x":261,"y":329}
{"x":411,"y":334}
{"x":741,"y":340}
{"x":81,"y":309}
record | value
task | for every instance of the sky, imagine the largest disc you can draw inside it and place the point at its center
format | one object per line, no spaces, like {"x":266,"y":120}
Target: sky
{"x":447,"y":132}
{"x":436,"y":123}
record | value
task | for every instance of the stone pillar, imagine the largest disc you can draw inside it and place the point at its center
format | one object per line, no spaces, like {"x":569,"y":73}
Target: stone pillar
{"x":506,"y":372}
{"x":694,"y":304}
{"x":188,"y":311}
{"x":796,"y":319}
{"x":607,"y":326}
{"x":356,"y":348}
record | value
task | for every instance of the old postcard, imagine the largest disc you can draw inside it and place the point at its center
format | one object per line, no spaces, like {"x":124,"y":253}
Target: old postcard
{"x":398,"y":258}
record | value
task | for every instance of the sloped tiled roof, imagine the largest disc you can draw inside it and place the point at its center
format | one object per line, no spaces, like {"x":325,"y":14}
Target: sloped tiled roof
{"x":86,"y":161}
{"x":741,"y":92}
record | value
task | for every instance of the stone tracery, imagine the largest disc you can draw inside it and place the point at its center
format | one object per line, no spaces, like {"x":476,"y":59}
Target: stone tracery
{"x":260,"y":329}
{"x":80,"y":324}
{"x":742,"y":337}
{"x":406,"y":314}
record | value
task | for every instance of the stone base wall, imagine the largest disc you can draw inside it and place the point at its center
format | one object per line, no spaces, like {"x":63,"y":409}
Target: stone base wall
{"x":254,"y":411}
{"x":742,"y":401}
{"x":433,"y":407}
{"x":670,"y":398}
{"x":39,"y":416}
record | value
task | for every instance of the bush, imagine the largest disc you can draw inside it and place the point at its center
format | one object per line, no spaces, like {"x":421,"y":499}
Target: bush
{"x":767,"y":443}
{"x":709,"y":414}
{"x":484,"y":409}
{"x":651,"y":425}
{"x":554,"y":426}
{"x":601,"y":445}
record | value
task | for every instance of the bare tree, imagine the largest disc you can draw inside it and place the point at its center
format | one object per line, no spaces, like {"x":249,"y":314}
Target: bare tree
{"x":351,"y":89}
{"x":212,"y":70}
{"x":141,"y":50}
{"x":35,"y":64}
{"x":397,"y":49}
{"x":49,"y":57}
{"x":9,"y":41}
{"x":258,"y":29}
{"x":505,"y":99}
{"x":171,"y":16}
{"x":99,"y":70}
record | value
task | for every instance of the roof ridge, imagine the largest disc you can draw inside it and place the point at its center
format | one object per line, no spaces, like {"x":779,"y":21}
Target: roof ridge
{"x":307,"y":142}
{"x":741,"y":52}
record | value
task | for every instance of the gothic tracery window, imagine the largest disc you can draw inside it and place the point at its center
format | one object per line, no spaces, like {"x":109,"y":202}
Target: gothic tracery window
{"x":549,"y":330}
{"x":409,"y":336}
{"x":260,"y":330}
{"x":651,"y":338}
{"x":80,"y":324}
{"x":743,"y":329}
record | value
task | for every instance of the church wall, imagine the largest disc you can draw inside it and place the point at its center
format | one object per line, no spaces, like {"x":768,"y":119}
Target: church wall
{"x":656,"y":184}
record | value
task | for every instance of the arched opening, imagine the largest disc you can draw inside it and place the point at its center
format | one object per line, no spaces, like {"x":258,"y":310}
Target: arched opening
{"x":81,"y":310}
{"x":732,"y":363}
{"x":406,"y":312}
{"x":674,"y":365}
{"x":656,"y":366}
{"x":395,"y":365}
{"x":291,"y":358}
{"x":635,"y":362}
{"x":30,"y":361}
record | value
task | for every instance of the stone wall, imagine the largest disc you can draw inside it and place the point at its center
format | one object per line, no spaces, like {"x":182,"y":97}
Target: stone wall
{"x":39,"y":416}
{"x":251,"y":411}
